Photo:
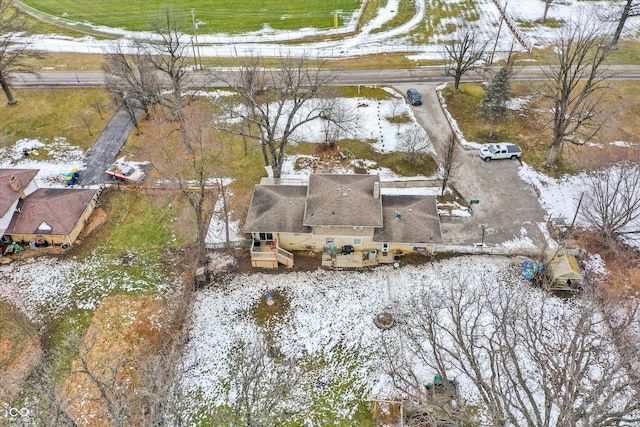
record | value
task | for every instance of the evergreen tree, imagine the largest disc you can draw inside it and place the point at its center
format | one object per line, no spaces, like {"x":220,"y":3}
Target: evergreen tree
{"x":494,"y":102}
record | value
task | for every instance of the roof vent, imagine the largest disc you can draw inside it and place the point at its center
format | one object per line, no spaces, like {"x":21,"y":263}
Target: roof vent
{"x":44,"y":226}
{"x":15,"y":183}
{"x":345,"y":194}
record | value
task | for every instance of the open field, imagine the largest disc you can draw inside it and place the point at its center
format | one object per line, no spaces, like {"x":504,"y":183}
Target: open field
{"x":220,"y":16}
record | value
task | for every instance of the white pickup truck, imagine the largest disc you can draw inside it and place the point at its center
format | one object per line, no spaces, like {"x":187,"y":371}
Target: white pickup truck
{"x":500,"y":151}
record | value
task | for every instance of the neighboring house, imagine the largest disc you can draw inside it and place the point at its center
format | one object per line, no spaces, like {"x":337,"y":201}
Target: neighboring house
{"x":54,"y":215}
{"x":15,"y":184}
{"x":335,"y":210}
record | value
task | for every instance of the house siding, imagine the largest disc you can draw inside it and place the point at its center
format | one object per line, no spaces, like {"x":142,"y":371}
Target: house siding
{"x":6,"y":219}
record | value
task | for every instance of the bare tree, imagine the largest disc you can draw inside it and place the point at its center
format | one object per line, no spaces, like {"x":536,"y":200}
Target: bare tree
{"x":46,"y":400}
{"x":415,"y":143}
{"x":161,"y":397}
{"x":612,"y":201}
{"x":262,"y":384}
{"x":547,"y":6}
{"x":105,"y":375}
{"x":576,"y":86}
{"x":99,"y":106}
{"x":196,"y":177}
{"x":131,"y":79}
{"x":449,"y":155}
{"x":397,"y":106}
{"x":631,"y":8}
{"x":86,"y":118}
{"x":334,"y":126}
{"x":462,"y":54}
{"x":12,"y":55}
{"x":278,"y":102}
{"x":170,"y":56}
{"x":533,"y":360}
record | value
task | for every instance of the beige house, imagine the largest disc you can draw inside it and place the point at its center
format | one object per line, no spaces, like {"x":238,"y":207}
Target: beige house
{"x":336,"y":210}
{"x":54,"y":215}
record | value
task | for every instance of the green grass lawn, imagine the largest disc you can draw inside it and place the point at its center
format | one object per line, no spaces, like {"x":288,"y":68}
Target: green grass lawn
{"x":223,"y":16}
{"x":48,"y":114}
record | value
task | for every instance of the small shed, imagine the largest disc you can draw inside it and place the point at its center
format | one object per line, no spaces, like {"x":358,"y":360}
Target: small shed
{"x":563,"y":273}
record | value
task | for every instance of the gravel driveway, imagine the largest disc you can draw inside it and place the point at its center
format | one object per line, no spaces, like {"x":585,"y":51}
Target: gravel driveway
{"x":507,"y":205}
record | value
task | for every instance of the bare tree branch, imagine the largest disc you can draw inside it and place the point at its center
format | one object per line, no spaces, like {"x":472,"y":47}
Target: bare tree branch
{"x":576,"y":86}
{"x":277,"y":102}
{"x":462,"y":54}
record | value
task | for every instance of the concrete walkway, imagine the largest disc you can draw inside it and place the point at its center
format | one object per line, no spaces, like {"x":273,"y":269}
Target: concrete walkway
{"x":509,"y":207}
{"x":107,"y":147}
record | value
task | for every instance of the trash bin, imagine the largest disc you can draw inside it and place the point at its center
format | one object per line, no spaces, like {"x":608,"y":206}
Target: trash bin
{"x":373,"y":254}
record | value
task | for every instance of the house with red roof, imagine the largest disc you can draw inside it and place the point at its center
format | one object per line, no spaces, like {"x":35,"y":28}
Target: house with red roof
{"x":52,"y":215}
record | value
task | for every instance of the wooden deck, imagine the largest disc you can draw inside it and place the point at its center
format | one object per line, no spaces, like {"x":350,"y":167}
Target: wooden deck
{"x":266,"y":256}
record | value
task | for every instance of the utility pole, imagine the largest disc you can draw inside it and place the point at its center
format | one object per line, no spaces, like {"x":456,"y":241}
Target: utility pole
{"x":195,"y":36}
{"x":495,"y":46}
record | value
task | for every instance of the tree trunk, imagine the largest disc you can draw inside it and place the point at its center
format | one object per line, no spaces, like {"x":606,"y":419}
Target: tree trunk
{"x":621,"y":22}
{"x":547,"y":5}
{"x":492,"y":127}
{"x":456,"y":81}
{"x":185,"y":136}
{"x":445,"y":180}
{"x":553,"y":155}
{"x":7,"y":90}
{"x":265,"y":153}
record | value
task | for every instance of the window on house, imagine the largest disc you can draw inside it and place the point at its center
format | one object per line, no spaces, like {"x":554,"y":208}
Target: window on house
{"x":357,"y":242}
{"x":266,"y":236}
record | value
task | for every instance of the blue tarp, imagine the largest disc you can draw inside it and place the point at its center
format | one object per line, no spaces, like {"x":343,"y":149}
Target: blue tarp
{"x":530,"y":269}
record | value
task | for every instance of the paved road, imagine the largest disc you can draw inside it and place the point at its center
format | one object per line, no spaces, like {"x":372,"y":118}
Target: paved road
{"x":344,"y":77}
{"x":508,"y":206}
{"x":108,"y":145}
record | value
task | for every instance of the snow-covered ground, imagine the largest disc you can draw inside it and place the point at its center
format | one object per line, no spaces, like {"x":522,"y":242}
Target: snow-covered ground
{"x":331,"y":314}
{"x":370,"y":39}
{"x":328,"y":310}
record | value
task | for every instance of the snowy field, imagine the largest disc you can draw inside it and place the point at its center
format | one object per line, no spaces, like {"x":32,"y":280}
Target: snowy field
{"x":371,"y":38}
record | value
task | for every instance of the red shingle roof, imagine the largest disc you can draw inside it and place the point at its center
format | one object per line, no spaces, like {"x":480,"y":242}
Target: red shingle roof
{"x":50,"y":211}
{"x":8,"y":195}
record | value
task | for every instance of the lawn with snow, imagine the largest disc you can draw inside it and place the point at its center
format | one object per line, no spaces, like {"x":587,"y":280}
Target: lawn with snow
{"x":329,"y":314}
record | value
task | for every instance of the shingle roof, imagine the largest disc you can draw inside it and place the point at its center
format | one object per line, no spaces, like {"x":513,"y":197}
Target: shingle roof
{"x":277,"y":208}
{"x":343,"y":200}
{"x":409,"y":219}
{"x":8,"y":195}
{"x":50,"y":211}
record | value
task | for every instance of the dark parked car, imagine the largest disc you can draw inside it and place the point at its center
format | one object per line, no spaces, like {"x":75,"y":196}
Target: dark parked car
{"x":414,"y":97}
{"x":347,"y":250}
